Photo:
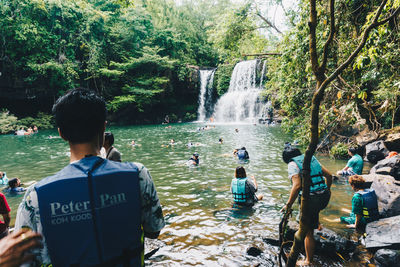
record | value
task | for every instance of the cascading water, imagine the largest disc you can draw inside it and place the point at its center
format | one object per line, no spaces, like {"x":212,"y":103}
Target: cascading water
{"x":241,"y":102}
{"x":205,"y":97}
{"x":262,"y":74}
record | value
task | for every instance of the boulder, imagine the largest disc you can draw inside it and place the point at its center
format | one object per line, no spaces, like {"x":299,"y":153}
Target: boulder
{"x":387,"y":190}
{"x":389,"y":166}
{"x":328,"y":242}
{"x":383,"y":233}
{"x":387,"y":257}
{"x":254,"y":251}
{"x":376,"y":151}
{"x":366,"y":137}
{"x":391,"y":138}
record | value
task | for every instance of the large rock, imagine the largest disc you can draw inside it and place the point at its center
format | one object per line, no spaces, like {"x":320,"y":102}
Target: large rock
{"x":391,"y":138}
{"x":327,"y":241}
{"x":376,"y":151}
{"x":366,"y":137}
{"x":387,"y":257}
{"x":387,"y":190}
{"x":383,"y":233}
{"x":388,"y":166}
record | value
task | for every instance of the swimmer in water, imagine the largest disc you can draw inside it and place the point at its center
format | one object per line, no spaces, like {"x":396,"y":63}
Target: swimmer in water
{"x":172,"y":142}
{"x":194,"y":160}
{"x":220,"y":140}
{"x":237,"y":130}
{"x":14,"y":186}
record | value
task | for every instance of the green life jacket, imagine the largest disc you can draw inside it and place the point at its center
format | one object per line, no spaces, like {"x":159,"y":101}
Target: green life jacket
{"x":317,"y":180}
{"x":239,"y":189}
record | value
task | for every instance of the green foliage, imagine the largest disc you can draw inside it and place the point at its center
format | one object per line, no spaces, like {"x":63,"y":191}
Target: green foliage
{"x":222,"y":77}
{"x":8,"y":122}
{"x":339,"y":151}
{"x":42,"y":121}
{"x":190,"y":117}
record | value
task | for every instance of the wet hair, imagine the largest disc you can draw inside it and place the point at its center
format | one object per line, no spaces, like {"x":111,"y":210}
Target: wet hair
{"x":240,"y":172}
{"x":357,"y":181}
{"x":80,"y":114}
{"x":290,"y":152}
{"x":243,"y":148}
{"x":353,"y":150}
{"x":109,"y":137}
{"x":13,"y":182}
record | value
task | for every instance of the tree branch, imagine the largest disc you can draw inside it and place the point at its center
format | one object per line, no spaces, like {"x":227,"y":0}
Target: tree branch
{"x":269,"y":23}
{"x":313,"y":38}
{"x":331,"y":34}
{"x":364,"y":39}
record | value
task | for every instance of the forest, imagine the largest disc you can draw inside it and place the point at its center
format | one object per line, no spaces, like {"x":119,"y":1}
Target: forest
{"x":143,"y":57}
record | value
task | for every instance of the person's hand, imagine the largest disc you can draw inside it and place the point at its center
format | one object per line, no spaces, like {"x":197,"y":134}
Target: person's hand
{"x":14,"y":248}
{"x":351,"y":226}
{"x":285,"y":208}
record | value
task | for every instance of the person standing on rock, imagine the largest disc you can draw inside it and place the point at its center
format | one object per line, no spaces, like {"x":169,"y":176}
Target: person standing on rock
{"x":321,"y":181}
{"x":354,"y":165}
{"x":94,"y":212}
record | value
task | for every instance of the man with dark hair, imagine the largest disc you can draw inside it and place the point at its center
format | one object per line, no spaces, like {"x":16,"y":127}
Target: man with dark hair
{"x":86,"y":219}
{"x":354,"y":165}
{"x":321,"y":181}
{"x":111,"y":152}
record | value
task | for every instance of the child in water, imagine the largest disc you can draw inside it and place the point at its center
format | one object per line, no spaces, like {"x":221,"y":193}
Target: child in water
{"x":3,"y":178}
{"x":243,"y":189}
{"x":14,"y":186}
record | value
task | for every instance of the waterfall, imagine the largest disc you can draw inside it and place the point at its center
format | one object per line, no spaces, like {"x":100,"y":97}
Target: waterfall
{"x":241,"y":102}
{"x":205,"y":96}
{"x":262,"y":74}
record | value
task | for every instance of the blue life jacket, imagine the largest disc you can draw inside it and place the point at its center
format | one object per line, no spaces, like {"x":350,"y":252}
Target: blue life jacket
{"x":91,"y":214}
{"x":370,"y":205}
{"x":239,"y":189}
{"x":242,"y":154}
{"x":317,"y":180}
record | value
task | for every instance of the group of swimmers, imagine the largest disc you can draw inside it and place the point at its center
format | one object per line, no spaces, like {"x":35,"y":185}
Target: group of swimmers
{"x":29,"y":131}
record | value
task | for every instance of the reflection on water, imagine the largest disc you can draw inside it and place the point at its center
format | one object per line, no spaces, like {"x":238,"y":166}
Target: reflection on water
{"x":202,"y":226}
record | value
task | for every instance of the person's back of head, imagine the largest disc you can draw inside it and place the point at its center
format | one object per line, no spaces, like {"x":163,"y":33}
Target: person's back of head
{"x":109,"y":138}
{"x":357,"y":181}
{"x":243,"y":148}
{"x":80,"y":115}
{"x":290,"y":152}
{"x":353,"y":150}
{"x":13,"y":183}
{"x":240,"y":172}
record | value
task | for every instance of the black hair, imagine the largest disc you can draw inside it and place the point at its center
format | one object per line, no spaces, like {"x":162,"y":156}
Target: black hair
{"x":240,"y":172}
{"x":243,"y":148}
{"x":80,"y":114}
{"x":353,"y":150}
{"x":290,"y":152}
{"x":13,"y":182}
{"x":109,"y":137}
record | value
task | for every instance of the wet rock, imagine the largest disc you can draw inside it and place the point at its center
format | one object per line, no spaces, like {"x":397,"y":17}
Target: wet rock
{"x":387,"y":190}
{"x":388,"y":166}
{"x":328,"y":242}
{"x":387,"y":257}
{"x":383,"y":233}
{"x":331,"y":243}
{"x":376,"y":151}
{"x":254,"y":251}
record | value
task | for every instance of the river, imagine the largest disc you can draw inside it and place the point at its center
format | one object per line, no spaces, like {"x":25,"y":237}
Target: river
{"x":202,"y":228}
